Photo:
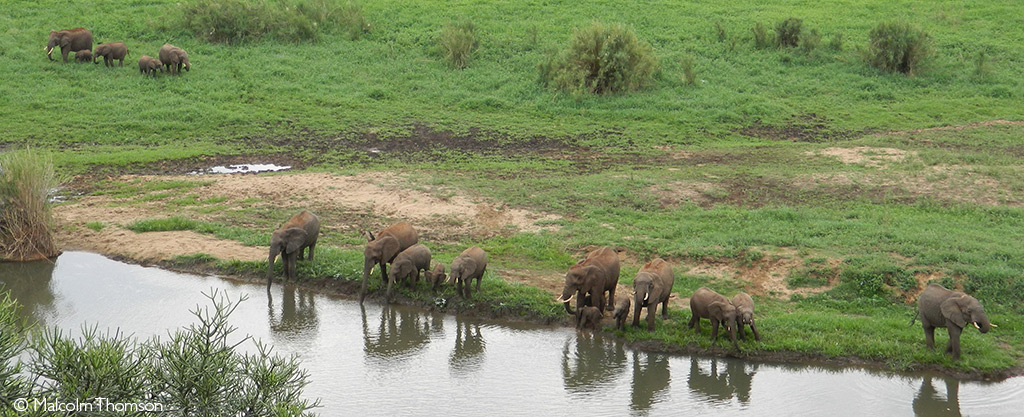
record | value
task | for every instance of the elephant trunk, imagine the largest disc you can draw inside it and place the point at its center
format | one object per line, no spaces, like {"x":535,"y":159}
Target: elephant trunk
{"x":564,"y":298}
{"x":732,"y":332}
{"x":640,"y":300}
{"x":982,"y":324}
{"x":49,"y":52}
{"x":367,"y":267}
{"x":274,"y":250}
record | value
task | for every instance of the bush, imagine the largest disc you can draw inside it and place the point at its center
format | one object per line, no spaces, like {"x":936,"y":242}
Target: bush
{"x":836,"y":42}
{"x":601,"y":59}
{"x":27,"y":183}
{"x":897,"y":47}
{"x":233,"y":21}
{"x":809,"y":41}
{"x":458,"y":41}
{"x":787,"y":32}
{"x":689,"y":74}
{"x":762,"y":40}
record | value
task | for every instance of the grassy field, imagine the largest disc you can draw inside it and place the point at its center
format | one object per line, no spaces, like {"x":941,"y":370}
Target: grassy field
{"x":740,"y":168}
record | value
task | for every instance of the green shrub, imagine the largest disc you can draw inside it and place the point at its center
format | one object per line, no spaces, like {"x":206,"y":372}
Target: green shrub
{"x":233,"y":21}
{"x":897,"y":47}
{"x":720,"y":31}
{"x":787,"y":32}
{"x":689,"y":74}
{"x":762,"y":39}
{"x":836,"y":42}
{"x":981,"y":66}
{"x":458,"y":41}
{"x":27,"y":184}
{"x":352,"y":21}
{"x":871,"y":274}
{"x":601,"y":59}
{"x":94,"y":226}
{"x":809,"y":41}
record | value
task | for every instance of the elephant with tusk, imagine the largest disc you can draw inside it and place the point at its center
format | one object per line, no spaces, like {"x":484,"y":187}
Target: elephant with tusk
{"x":939,"y":307}
{"x":290,"y":240}
{"x":69,"y":40}
{"x":383,"y":248}
{"x":593,"y":276}
{"x":652,"y":286}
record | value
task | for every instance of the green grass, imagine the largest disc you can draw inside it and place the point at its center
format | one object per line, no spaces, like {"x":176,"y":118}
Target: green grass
{"x":95,"y":226}
{"x":393,"y":78}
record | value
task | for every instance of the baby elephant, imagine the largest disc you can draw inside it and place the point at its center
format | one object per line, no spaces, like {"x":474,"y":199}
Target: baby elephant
{"x":110,"y":51}
{"x":407,"y":266}
{"x":705,"y":303}
{"x":84,"y":55}
{"x":469,"y":265}
{"x":954,"y":310}
{"x":590,"y":318}
{"x":621,"y":311}
{"x":745,"y":314}
{"x":174,"y":59}
{"x":436,"y":277}
{"x":148,"y":64}
{"x":289,"y":240}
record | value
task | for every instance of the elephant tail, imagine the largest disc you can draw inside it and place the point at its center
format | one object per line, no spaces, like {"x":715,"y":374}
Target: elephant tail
{"x":913,"y":319}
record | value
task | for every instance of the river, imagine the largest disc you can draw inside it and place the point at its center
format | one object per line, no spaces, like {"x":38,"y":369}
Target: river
{"x":380,"y":360}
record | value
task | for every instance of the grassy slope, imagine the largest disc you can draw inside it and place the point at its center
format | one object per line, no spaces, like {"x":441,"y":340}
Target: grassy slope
{"x":393,"y":78}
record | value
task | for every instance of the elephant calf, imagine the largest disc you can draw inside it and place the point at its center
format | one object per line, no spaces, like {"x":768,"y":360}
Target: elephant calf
{"x":469,"y":265}
{"x":590,"y":318}
{"x":705,"y":303}
{"x":621,"y":312}
{"x":174,"y":59}
{"x":745,"y":314}
{"x":407,"y":266}
{"x":652,"y":286}
{"x":289,"y":240}
{"x":110,"y":51}
{"x":437,"y":276}
{"x":383,"y":248}
{"x":939,"y":307}
{"x":84,"y":55}
{"x":148,"y":64}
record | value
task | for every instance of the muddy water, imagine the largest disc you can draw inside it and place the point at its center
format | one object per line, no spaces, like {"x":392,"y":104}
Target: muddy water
{"x":391,"y":361}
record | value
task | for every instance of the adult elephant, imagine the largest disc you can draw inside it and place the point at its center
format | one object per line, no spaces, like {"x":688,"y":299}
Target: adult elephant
{"x":383,"y":248}
{"x":289,"y":240}
{"x":174,"y":59}
{"x":705,"y":303}
{"x":593,"y":276}
{"x":469,"y":265}
{"x":939,"y":307}
{"x":69,"y":40}
{"x":652,"y":286}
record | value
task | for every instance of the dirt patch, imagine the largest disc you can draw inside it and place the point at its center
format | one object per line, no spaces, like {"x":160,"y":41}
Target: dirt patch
{"x":988,"y":123}
{"x":677,"y":193}
{"x":866,"y":155}
{"x":153,"y":247}
{"x":765,"y":277}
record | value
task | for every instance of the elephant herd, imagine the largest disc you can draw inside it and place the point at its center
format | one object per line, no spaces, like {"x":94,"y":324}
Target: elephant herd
{"x":79,"y":40}
{"x":396,"y":245}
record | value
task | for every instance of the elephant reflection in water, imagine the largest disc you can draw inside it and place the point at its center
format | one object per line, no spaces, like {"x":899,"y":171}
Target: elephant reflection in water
{"x":721,"y":387}
{"x":469,"y":347}
{"x":651,"y":377}
{"x":591,"y":362}
{"x":929,"y":403}
{"x":298,"y":311}
{"x":29,"y":284}
{"x":401,"y":331}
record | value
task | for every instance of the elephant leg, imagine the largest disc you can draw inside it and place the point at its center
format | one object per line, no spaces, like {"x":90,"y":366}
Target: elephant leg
{"x":469,"y":289}
{"x":929,"y":336}
{"x":742,"y":332}
{"x":611,"y":300}
{"x":694,"y":319}
{"x":714,"y":331}
{"x":664,"y":310}
{"x":652,"y":311}
{"x":311,"y":247}
{"x":387,"y":293}
{"x":383,"y":272}
{"x":954,"y":341}
{"x":753,"y":329}
{"x":480,"y":278}
{"x":64,"y":54}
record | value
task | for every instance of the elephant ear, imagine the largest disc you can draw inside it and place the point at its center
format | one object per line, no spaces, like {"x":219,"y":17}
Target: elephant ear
{"x":716,"y":309}
{"x":389,"y":249}
{"x":294,"y":238}
{"x":468,"y":265}
{"x":952,"y":312}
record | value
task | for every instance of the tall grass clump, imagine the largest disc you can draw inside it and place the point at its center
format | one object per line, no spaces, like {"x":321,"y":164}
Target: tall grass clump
{"x":234,"y":21}
{"x":809,"y":41}
{"x":458,"y":41}
{"x":897,"y":47}
{"x":601,"y":59}
{"x":689,"y":74}
{"x":787,"y":32}
{"x":27,"y":182}
{"x":762,"y":39}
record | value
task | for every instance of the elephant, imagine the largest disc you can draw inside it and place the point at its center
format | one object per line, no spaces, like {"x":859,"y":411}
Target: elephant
{"x":590,"y":317}
{"x":84,"y":55}
{"x":383,"y":248}
{"x":110,"y":51}
{"x":705,"y":303}
{"x":939,"y":307}
{"x":174,"y":59}
{"x":652,"y":286}
{"x":621,"y":312}
{"x":289,"y":240}
{"x":436,"y":276}
{"x":470,"y":264}
{"x":407,"y":266}
{"x":745,"y":314}
{"x":595,"y":275}
{"x":69,"y":40}
{"x":148,"y":64}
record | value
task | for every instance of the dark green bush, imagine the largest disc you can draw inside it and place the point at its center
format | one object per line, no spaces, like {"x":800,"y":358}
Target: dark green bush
{"x":869,"y":276}
{"x":787,"y":32}
{"x":762,"y":39}
{"x":458,"y":41}
{"x":720,"y":31}
{"x":897,"y":47}
{"x":233,"y":21}
{"x":601,"y":59}
{"x":836,"y":42}
{"x":809,"y":41}
{"x":689,"y":74}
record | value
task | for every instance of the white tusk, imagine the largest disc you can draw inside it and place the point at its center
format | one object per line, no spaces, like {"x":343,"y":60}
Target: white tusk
{"x":993,"y":325}
{"x":976,"y":326}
